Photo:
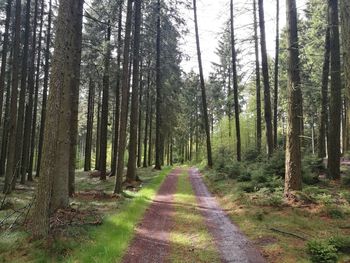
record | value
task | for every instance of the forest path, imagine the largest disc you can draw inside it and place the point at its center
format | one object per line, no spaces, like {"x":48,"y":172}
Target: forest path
{"x":172,"y":232}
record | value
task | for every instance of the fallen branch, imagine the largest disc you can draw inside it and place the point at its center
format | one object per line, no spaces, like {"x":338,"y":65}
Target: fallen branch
{"x":287,"y":233}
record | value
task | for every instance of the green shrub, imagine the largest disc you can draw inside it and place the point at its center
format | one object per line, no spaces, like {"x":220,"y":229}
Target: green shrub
{"x":244,"y":177}
{"x":252,"y":155}
{"x":346,"y":196}
{"x":334,"y":212}
{"x":341,"y":243}
{"x":276,"y":164}
{"x":310,"y":179}
{"x":247,"y":187}
{"x":233,"y":170}
{"x":313,"y":163}
{"x":346,"y":180}
{"x":322,"y":252}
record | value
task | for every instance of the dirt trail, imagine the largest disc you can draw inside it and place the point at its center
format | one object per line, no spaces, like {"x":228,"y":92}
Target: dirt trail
{"x":232,"y":244}
{"x":151,"y":241}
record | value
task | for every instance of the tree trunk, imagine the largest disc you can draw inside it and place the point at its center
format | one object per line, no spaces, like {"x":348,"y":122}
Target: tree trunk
{"x":235,"y":87}
{"x":124,"y":101}
{"x":150,"y":142}
{"x":104,"y":113}
{"x":147,"y":116}
{"x":293,"y":180}
{"x":89,"y":125}
{"x":324,"y":92}
{"x":258,"y":83}
{"x":4,"y":54}
{"x":335,"y":95}
{"x":265,"y":72}
{"x":52,"y":191}
{"x":202,"y":84}
{"x":275,"y":100}
{"x":29,"y":106}
{"x":11,"y":161}
{"x":36,"y":96}
{"x":139,"y":133}
{"x":158,"y":95}
{"x":345,"y":25}
{"x":98,"y":133}
{"x":134,"y":111}
{"x":45,"y":88}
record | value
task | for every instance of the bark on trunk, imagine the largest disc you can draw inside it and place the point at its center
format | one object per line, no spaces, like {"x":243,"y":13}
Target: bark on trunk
{"x":203,"y":91}
{"x":89,"y":125}
{"x":335,"y":95}
{"x":265,"y":72}
{"x":293,"y":180}
{"x":275,"y":100}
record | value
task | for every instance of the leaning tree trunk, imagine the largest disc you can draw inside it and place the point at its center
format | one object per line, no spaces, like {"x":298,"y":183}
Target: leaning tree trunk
{"x":202,"y":84}
{"x":265,"y":72}
{"x":52,"y":191}
{"x":258,"y":83}
{"x":104,"y":113}
{"x":124,"y":101}
{"x":345,"y":23}
{"x":335,"y":95}
{"x":324,"y":92}
{"x":134,"y":115}
{"x":293,"y":153}
{"x":235,"y":86}
{"x":275,"y":99}
{"x":10,"y":164}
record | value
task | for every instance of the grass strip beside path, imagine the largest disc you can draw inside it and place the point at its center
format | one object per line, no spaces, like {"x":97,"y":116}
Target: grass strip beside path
{"x":109,"y":242}
{"x":190,"y":240}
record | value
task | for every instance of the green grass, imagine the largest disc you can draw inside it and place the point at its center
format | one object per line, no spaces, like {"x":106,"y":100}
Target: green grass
{"x":108,"y":242}
{"x":190,"y":240}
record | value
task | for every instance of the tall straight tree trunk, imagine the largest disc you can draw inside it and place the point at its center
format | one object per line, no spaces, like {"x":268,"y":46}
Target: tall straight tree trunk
{"x":202,"y":84}
{"x":117,"y":92}
{"x":36,"y":96}
{"x":158,"y":95}
{"x":11,"y":162}
{"x":29,"y":106}
{"x":147,"y":116}
{"x":139,"y":133}
{"x":275,"y":100}
{"x":235,"y":86}
{"x":89,"y":125}
{"x":4,"y":138}
{"x":4,"y":54}
{"x":293,"y":180}
{"x":45,"y":88}
{"x":98,"y":128}
{"x":324,"y":92}
{"x":105,"y":99}
{"x":345,"y":25}
{"x":335,"y":95}
{"x":124,"y":101}
{"x":19,"y":142}
{"x":52,"y":190}
{"x":258,"y":82}
{"x":265,"y":72}
{"x":134,"y":111}
{"x":150,"y":142}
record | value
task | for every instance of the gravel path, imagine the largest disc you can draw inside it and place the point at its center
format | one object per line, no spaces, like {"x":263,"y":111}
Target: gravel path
{"x":232,"y":244}
{"x":151,"y":242}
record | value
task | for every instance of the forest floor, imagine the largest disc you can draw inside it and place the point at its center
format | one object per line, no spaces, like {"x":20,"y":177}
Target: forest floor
{"x":285,"y":231}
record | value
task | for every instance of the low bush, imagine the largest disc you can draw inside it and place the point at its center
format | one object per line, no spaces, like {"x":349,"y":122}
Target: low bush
{"x":276,"y":164}
{"x":244,"y":177}
{"x":334,"y":212}
{"x":322,"y":252}
{"x":346,"y":181}
{"x":247,"y":187}
{"x":314,"y":164}
{"x":341,"y":243}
